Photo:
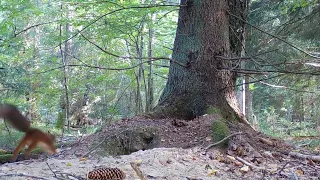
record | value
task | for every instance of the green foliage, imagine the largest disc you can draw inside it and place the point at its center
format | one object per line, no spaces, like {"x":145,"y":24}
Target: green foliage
{"x":273,"y":124}
{"x":220,"y":130}
{"x":115,"y":34}
{"x":2,"y":152}
{"x":10,"y":141}
{"x":252,"y":87}
{"x":285,"y":103}
{"x":60,"y":121}
{"x":212,"y":110}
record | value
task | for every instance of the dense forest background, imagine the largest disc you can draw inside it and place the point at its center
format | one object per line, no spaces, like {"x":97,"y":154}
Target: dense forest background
{"x":85,"y":63}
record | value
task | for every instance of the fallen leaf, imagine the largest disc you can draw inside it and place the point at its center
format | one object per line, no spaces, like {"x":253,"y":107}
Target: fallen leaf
{"x":310,"y":162}
{"x":231,"y":158}
{"x":138,"y":162}
{"x":244,"y":169}
{"x":187,"y":158}
{"x":299,"y":172}
{"x":273,"y":167}
{"x":212,"y":172}
{"x":5,"y":169}
{"x":238,"y":163}
{"x":208,"y":138}
{"x":220,"y":159}
{"x":68,"y":164}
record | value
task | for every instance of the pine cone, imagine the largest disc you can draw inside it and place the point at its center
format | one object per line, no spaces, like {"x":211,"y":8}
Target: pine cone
{"x":106,"y":174}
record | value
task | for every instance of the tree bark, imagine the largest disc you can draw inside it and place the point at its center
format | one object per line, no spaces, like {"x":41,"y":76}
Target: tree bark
{"x":202,"y":39}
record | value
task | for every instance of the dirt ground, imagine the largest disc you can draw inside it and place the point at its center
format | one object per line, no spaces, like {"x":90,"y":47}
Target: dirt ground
{"x":181,"y":154}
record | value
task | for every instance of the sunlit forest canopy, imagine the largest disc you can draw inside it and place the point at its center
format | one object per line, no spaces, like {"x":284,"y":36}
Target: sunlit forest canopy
{"x":98,"y":50}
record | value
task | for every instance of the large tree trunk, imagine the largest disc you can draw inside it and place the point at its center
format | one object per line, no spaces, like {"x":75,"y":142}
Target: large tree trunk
{"x":202,"y":41}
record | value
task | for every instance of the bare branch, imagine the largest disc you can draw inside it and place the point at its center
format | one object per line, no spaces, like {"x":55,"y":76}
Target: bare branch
{"x":128,"y":57}
{"x":107,"y":52}
{"x":114,"y":11}
{"x":250,"y":71}
{"x":104,"y":68}
{"x":246,"y":58}
{"x":274,"y":36}
{"x":36,"y":25}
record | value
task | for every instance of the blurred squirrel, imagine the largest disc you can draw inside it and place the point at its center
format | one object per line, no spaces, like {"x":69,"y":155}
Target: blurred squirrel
{"x":32,"y":137}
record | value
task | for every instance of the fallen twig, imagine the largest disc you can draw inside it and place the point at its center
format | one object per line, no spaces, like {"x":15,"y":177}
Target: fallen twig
{"x":266,"y":141}
{"x":305,"y":144}
{"x":222,"y":140}
{"x":304,"y":156}
{"x":250,"y":165}
{"x":64,"y":176}
{"x":51,"y":170}
{"x":23,"y":175}
{"x":282,"y":168}
{"x":139,"y":173}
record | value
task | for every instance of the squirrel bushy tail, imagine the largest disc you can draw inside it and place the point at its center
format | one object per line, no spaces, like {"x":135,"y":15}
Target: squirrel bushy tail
{"x":11,"y":114}
{"x":32,"y":138}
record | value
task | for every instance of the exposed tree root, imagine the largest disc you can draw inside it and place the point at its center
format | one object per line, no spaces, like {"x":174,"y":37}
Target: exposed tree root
{"x":222,"y":140}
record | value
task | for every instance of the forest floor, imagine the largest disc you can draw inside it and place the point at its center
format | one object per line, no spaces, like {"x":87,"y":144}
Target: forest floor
{"x":182,"y":154}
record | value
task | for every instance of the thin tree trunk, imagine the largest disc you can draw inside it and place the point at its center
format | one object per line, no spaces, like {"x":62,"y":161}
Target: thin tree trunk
{"x":138,"y":98}
{"x":65,"y":63}
{"x":248,"y":99}
{"x":32,"y":43}
{"x":29,"y":93}
{"x":67,"y":50}
{"x":140,"y":73}
{"x":150,"y":94}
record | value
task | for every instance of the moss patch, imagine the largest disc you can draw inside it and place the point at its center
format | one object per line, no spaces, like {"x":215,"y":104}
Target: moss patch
{"x":212,"y":110}
{"x":5,"y":158}
{"x":220,"y":130}
{"x":3,"y":152}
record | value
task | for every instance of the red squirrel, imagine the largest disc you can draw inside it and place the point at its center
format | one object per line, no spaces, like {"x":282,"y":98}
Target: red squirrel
{"x":33,"y":137}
